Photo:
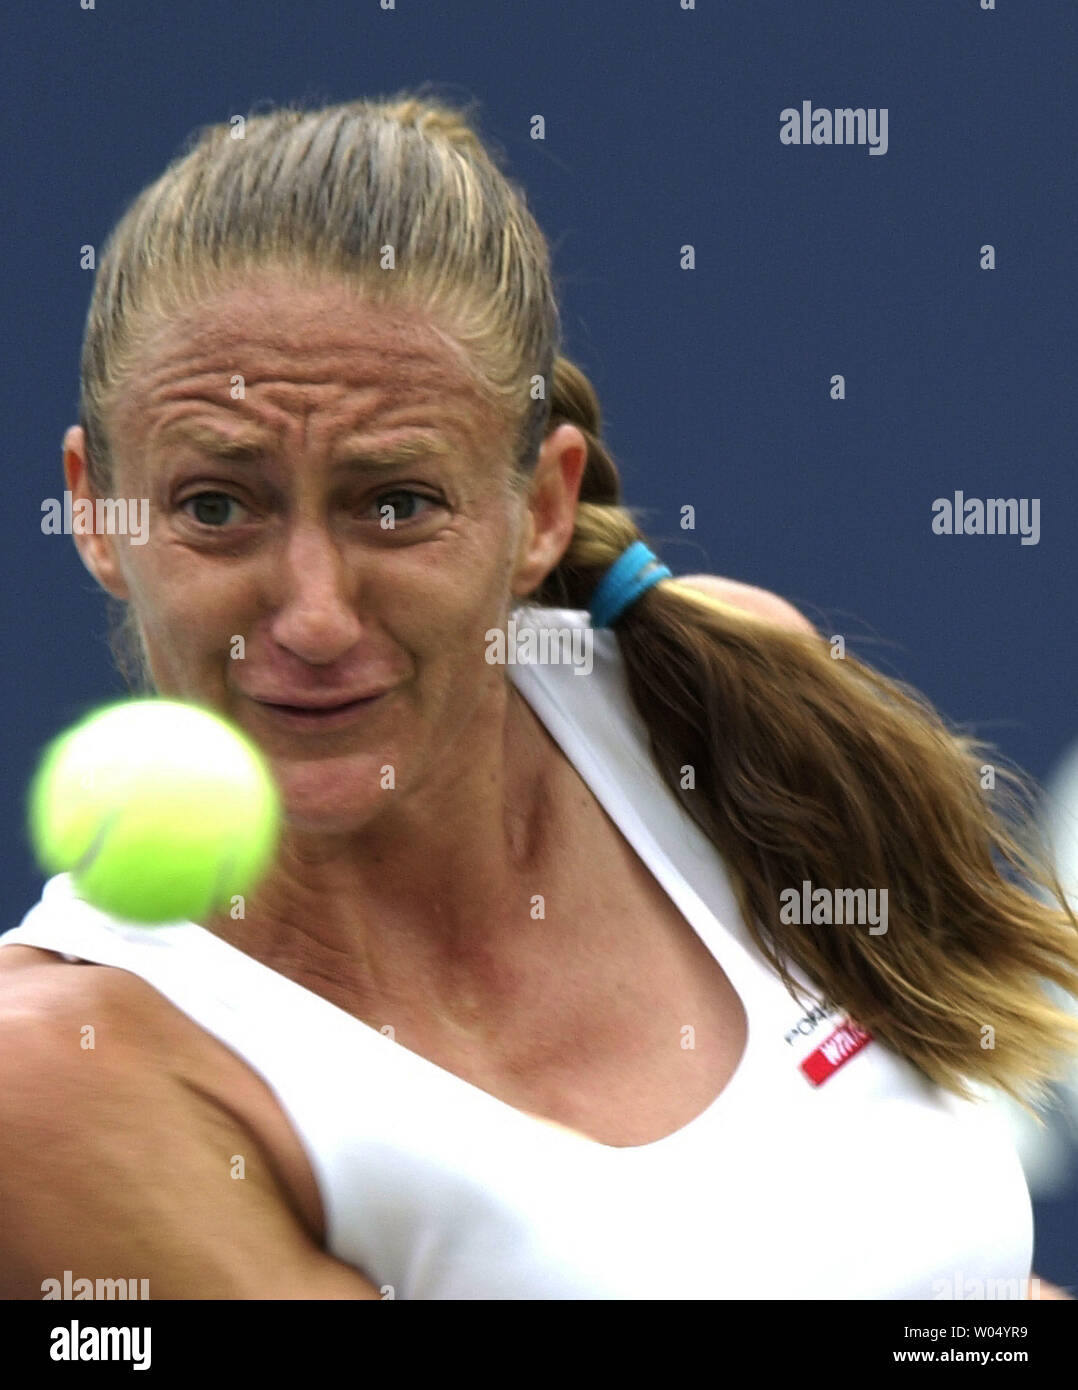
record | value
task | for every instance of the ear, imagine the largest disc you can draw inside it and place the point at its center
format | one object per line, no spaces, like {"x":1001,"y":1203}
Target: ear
{"x":551,"y":508}
{"x":96,"y":552}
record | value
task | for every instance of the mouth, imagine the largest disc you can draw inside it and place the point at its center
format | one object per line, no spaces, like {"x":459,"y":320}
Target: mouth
{"x":318,"y":717}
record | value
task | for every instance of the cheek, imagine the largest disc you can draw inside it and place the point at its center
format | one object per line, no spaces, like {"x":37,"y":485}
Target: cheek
{"x":183,"y":609}
{"x":455,"y":585}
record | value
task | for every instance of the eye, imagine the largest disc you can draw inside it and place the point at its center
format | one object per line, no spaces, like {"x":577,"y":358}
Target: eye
{"x":403,"y":503}
{"x":212,"y":507}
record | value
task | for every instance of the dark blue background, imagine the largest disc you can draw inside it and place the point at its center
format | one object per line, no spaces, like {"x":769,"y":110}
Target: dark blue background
{"x":662,"y":128}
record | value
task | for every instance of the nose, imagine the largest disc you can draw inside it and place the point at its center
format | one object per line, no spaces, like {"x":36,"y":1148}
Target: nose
{"x":316,"y":617}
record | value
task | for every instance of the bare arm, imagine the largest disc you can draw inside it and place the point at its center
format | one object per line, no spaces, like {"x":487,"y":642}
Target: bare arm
{"x":1047,"y":1290}
{"x":752,"y":599}
{"x":111,"y":1168}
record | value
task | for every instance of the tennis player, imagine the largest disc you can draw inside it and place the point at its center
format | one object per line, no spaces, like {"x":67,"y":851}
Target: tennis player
{"x":648,"y":953}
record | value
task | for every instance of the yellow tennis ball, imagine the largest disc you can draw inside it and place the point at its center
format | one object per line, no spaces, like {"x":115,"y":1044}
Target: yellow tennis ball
{"x":159,"y":809}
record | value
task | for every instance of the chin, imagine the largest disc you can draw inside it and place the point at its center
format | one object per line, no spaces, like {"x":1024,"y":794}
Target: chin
{"x":333,"y":795}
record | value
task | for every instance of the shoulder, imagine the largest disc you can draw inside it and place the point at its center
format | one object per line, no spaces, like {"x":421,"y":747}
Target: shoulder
{"x":750,"y":598}
{"x":53,"y":1008}
{"x":75,"y":1039}
{"x":109,"y":1154}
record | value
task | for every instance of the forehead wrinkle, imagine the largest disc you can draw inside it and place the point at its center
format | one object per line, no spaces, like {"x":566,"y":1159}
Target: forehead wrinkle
{"x":249,"y":444}
{"x":356,"y":368}
{"x":422,"y":386}
{"x":436,"y":381}
{"x":267,"y":312}
{"x":369,"y":398}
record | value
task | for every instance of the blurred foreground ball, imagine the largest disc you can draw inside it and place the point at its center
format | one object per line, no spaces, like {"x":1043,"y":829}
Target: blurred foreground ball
{"x":160,"y":810}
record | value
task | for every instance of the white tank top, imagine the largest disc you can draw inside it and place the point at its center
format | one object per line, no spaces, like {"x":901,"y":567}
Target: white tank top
{"x":829,"y":1167}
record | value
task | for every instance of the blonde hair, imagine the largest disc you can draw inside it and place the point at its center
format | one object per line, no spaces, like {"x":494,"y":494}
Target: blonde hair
{"x":805,"y":767}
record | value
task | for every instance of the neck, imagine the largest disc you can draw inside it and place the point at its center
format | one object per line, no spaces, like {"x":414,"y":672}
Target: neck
{"x":432,"y":900}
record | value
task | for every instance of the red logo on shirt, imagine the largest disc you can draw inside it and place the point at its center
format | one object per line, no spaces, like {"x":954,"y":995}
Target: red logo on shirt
{"x":845,"y":1042}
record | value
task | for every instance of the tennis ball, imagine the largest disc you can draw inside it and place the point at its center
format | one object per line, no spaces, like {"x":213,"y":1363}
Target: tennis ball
{"x":159,"y":809}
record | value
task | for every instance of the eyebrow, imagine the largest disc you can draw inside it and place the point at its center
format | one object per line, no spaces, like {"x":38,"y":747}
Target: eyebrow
{"x":352,"y":452}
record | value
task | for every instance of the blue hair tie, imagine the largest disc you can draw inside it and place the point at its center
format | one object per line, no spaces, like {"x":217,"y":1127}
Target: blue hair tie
{"x":624,"y":582}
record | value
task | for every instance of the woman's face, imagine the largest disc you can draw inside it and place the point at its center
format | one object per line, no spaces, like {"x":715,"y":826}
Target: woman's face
{"x":268,"y":431}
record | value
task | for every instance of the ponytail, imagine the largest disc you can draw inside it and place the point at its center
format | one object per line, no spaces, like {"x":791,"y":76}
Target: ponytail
{"x":799,"y":767}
